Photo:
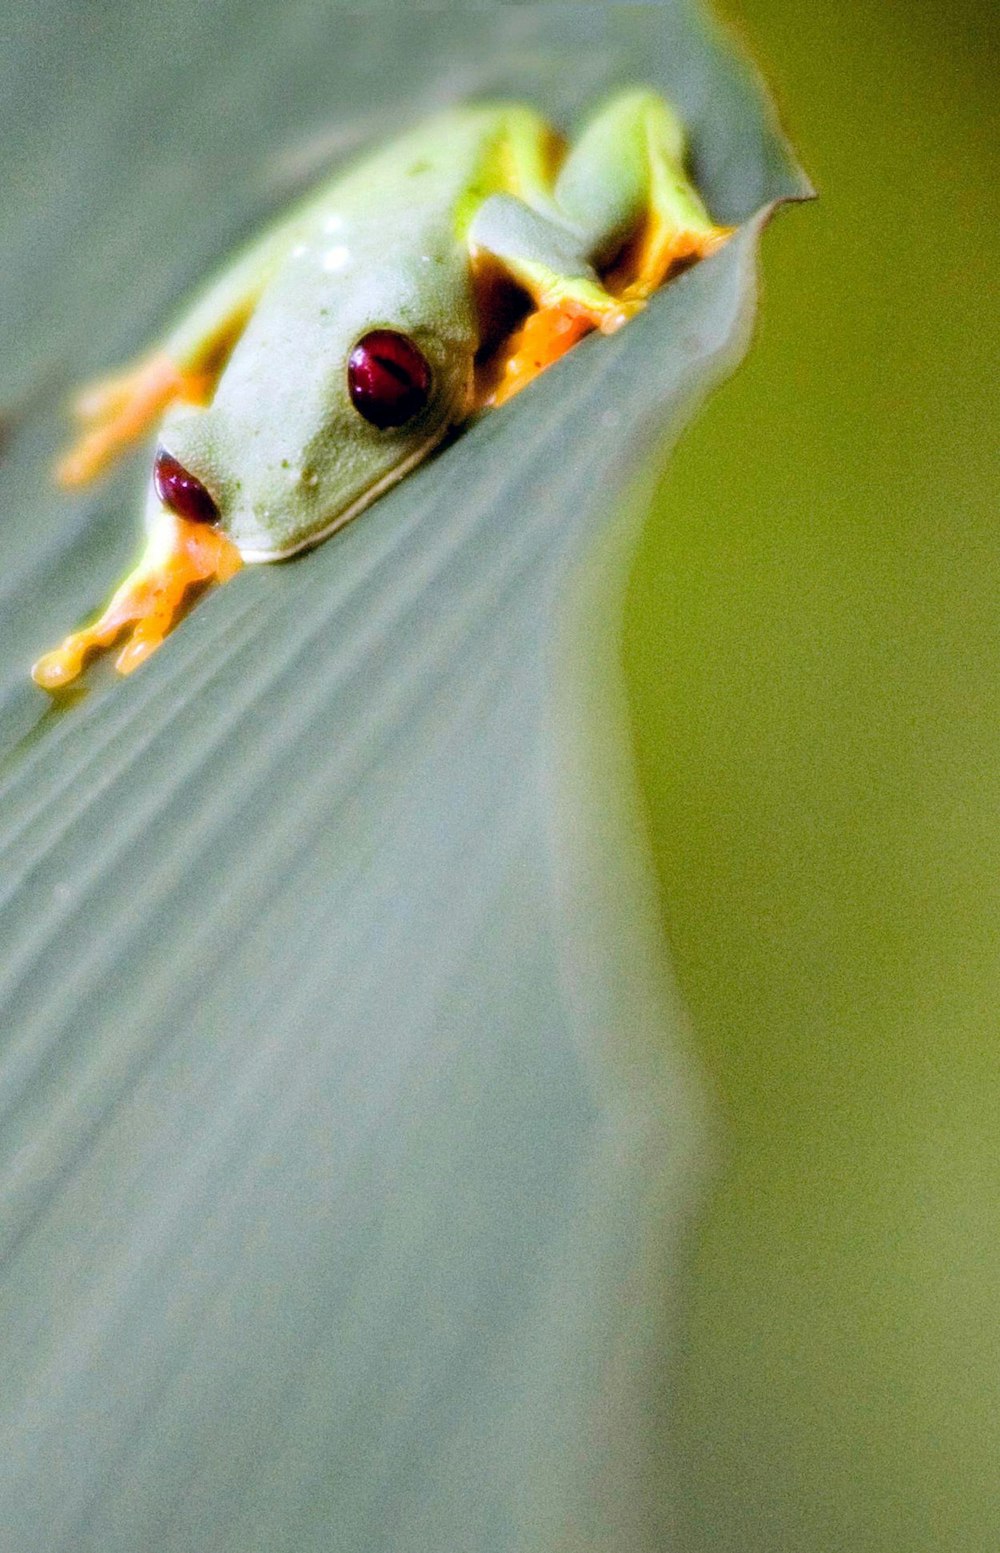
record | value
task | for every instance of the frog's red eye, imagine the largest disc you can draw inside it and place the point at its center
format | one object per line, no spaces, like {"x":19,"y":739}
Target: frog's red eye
{"x":388,"y":378}
{"x":181,"y":492}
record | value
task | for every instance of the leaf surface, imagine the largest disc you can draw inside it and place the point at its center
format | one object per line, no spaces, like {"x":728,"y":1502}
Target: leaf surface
{"x":348,"y":1129}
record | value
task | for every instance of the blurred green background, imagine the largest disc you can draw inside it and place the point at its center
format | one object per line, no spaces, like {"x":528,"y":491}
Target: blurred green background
{"x":813,"y":649}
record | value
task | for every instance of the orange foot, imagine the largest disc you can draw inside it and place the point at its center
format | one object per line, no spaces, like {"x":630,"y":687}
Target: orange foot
{"x":116,"y":411}
{"x":179,"y":555}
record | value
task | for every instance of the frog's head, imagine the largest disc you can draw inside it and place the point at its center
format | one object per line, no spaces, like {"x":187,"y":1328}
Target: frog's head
{"x":279,"y":460}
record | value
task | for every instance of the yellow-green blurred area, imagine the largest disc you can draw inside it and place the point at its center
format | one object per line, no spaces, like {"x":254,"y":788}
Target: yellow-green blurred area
{"x":814,"y":653}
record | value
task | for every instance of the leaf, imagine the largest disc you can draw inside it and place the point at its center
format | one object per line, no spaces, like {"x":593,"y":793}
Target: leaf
{"x":348,"y":1127}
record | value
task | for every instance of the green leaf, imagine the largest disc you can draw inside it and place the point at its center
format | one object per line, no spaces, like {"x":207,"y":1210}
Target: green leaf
{"x":348,"y":1127}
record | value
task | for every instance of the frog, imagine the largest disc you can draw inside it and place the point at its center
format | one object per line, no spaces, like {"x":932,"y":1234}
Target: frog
{"x":429,"y":281}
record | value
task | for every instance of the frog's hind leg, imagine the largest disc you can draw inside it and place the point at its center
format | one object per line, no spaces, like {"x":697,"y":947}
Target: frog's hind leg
{"x":625,"y":188}
{"x":619,"y":217}
{"x":179,"y":555}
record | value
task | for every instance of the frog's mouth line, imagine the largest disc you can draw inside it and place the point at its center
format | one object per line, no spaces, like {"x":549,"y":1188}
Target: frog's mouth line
{"x":251,"y":556}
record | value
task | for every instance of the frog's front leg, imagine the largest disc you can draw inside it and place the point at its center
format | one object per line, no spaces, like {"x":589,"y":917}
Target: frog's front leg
{"x":116,"y":411}
{"x":546,"y":258}
{"x":621,"y":216}
{"x":179,"y":554}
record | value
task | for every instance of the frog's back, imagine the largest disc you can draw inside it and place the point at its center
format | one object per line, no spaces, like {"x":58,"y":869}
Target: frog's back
{"x":450,"y":163}
{"x":381,"y":245}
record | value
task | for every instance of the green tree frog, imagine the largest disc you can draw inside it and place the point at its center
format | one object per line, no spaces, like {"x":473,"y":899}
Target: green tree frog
{"x":429,"y":281}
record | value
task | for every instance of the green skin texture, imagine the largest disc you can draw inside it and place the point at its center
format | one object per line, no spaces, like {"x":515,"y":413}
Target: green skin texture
{"x":389,"y":245}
